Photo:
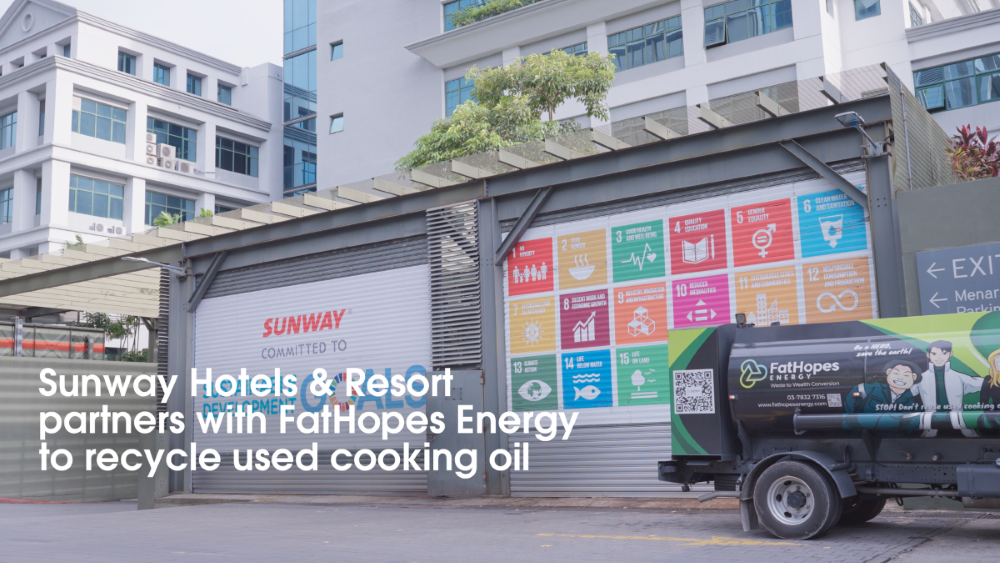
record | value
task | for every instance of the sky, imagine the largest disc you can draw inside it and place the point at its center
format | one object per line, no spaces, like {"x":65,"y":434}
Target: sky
{"x":242,"y":32}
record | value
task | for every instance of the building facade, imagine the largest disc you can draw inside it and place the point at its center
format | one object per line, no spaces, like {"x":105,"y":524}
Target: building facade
{"x":385,"y":75}
{"x":103,"y":127}
{"x":299,"y":99}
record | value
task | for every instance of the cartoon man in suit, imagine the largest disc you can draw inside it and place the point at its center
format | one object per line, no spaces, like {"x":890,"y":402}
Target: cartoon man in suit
{"x":895,"y":394}
{"x":942,"y":389}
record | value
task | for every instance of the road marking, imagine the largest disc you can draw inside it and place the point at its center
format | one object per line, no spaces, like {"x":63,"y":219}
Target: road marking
{"x":715,"y":540}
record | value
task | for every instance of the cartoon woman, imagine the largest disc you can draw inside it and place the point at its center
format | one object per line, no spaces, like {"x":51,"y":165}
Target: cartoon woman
{"x":989,"y":396}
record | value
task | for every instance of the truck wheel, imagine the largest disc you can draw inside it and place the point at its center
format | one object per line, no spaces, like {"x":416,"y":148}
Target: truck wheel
{"x":861,"y":511}
{"x":794,"y":501}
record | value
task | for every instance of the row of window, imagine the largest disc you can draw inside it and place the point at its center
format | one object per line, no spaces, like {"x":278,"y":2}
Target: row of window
{"x":647,"y":44}
{"x":161,"y":75}
{"x":98,"y":198}
{"x":958,"y":85}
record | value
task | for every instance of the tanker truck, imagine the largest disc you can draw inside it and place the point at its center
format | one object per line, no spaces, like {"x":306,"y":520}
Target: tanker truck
{"x":814,"y":425}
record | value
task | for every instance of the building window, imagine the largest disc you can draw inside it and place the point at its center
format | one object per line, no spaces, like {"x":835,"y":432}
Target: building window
{"x":336,"y":123}
{"x":6,"y":205}
{"x":41,"y":117}
{"x":300,"y":24}
{"x":181,"y":138}
{"x":916,"y":20}
{"x":453,"y":7}
{"x":94,"y":197}
{"x":194,"y":85}
{"x":235,"y":156}
{"x":299,"y":159}
{"x":126,"y":63}
{"x":38,"y":196}
{"x":305,"y":124}
{"x":98,"y":120}
{"x":959,"y":85}
{"x":225,"y":95}
{"x":300,"y":86}
{"x":654,"y":42}
{"x":157,"y":203}
{"x":161,"y":74}
{"x":864,"y":9}
{"x":742,"y":19}
{"x":223,"y":209}
{"x":8,"y":130}
{"x":580,"y":49}
{"x":67,"y":50}
{"x":829,"y":7}
{"x":456,"y":93}
{"x":337,"y":50}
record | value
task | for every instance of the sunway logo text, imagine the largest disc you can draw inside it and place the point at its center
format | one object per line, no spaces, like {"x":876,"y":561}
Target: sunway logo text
{"x":313,"y":322}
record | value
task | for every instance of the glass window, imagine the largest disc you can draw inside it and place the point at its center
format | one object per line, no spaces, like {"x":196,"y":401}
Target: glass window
{"x":829,"y":7}
{"x":299,"y":159}
{"x":38,"y":197}
{"x":452,"y":7}
{"x":223,"y":208}
{"x":960,"y":84}
{"x":181,"y":138}
{"x":580,"y":49}
{"x":67,"y":50}
{"x":95,"y":119}
{"x":8,"y":130}
{"x":6,"y":205}
{"x":235,"y":156}
{"x":161,"y":74}
{"x":300,"y":25}
{"x":194,"y":85}
{"x":742,"y":19}
{"x":337,"y":51}
{"x":225,"y":95}
{"x":157,"y":203}
{"x":647,"y":44}
{"x":456,"y":93}
{"x":96,"y":197}
{"x":916,"y":20}
{"x":126,"y":63}
{"x":337,"y":123}
{"x":41,"y":118}
{"x":300,"y":86}
{"x":864,"y":9}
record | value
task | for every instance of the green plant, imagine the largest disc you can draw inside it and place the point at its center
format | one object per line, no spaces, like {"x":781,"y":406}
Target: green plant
{"x":485,"y":11}
{"x":164,"y":219}
{"x":974,"y":155}
{"x":205,"y":213}
{"x":134,"y":356}
{"x":508,"y":103}
{"x":125,"y":328}
{"x":79,"y":242}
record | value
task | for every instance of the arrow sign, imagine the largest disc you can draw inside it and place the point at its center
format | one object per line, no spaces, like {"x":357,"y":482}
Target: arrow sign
{"x":932,"y":269}
{"x":934,"y":299}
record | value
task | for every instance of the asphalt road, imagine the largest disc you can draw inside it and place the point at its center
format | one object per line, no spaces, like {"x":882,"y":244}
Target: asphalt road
{"x":281,"y":532}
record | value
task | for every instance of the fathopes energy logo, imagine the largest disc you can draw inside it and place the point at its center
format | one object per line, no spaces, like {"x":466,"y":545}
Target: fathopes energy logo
{"x":310,"y":322}
{"x":751,"y":372}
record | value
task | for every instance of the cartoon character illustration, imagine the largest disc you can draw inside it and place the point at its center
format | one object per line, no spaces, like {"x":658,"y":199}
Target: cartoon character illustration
{"x":990,"y":394}
{"x":895,"y":394}
{"x":943,"y":389}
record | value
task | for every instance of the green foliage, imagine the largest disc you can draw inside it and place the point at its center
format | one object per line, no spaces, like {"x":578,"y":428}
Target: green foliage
{"x":508,"y":104}
{"x":973,"y":155}
{"x":547,"y":81}
{"x":205,"y":213}
{"x":164,"y":219}
{"x":486,"y":11}
{"x":79,"y":242}
{"x":474,"y":128}
{"x":133,"y":356}
{"x":123,"y":327}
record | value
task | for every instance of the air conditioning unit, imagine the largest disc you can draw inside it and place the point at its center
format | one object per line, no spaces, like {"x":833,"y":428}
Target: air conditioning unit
{"x":99,"y":227}
{"x":185,"y":167}
{"x":150,"y":138}
{"x":168,"y":163}
{"x":151,"y":160}
{"x":151,"y":150}
{"x":166,"y":151}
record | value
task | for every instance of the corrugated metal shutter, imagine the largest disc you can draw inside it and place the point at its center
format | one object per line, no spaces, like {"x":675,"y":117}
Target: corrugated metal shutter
{"x":321,"y":266}
{"x":456,"y":311}
{"x":596,"y":461}
{"x":673,"y":198}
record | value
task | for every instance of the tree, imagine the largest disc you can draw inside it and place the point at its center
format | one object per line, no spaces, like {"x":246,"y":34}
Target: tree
{"x":508,"y":103}
{"x":547,"y":81}
{"x":487,"y":10}
{"x":164,"y":219}
{"x":125,"y":327}
{"x":973,"y":155}
{"x":205,"y":212}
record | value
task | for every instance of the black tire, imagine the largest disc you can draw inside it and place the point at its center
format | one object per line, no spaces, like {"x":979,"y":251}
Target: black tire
{"x":796,"y":501}
{"x":860,"y":511}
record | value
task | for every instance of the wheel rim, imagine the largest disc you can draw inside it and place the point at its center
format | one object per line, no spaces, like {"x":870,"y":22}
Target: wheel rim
{"x":791,"y":501}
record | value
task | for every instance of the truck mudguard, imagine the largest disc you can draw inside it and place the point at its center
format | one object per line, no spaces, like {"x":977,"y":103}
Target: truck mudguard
{"x":836,"y":470}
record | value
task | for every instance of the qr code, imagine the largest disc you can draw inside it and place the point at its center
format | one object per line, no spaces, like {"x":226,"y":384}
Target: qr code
{"x":694,"y":391}
{"x":833,"y":400}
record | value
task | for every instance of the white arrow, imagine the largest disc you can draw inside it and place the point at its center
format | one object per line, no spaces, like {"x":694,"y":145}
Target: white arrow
{"x":934,"y":298}
{"x":931,"y":270}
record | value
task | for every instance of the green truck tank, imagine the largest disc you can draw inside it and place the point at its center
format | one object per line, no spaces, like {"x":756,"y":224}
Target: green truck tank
{"x":813,"y":425}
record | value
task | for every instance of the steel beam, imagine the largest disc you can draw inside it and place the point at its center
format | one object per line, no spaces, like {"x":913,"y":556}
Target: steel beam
{"x":206,"y":280}
{"x":886,"y":245}
{"x":522,"y":224}
{"x":825,"y":171}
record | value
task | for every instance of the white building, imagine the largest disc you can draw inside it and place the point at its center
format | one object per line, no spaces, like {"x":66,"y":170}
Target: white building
{"x":384,"y":75}
{"x":79,"y":98}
